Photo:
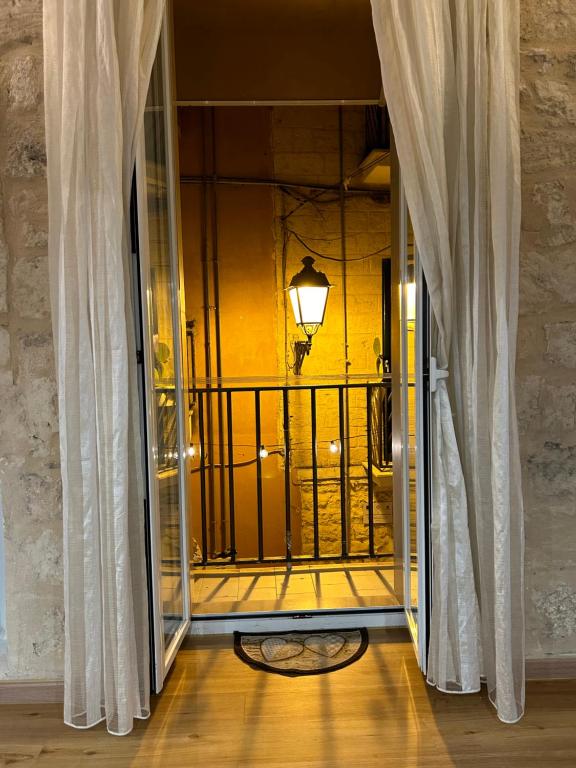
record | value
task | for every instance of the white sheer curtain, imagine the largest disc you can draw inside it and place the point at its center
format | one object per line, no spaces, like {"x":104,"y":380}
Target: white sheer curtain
{"x":450,"y":76}
{"x":98,"y":55}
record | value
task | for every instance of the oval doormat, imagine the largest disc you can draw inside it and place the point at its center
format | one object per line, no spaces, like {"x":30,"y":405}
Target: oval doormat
{"x":301,"y":652}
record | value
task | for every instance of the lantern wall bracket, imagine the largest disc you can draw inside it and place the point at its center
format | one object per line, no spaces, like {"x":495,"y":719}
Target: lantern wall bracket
{"x":301,"y":349}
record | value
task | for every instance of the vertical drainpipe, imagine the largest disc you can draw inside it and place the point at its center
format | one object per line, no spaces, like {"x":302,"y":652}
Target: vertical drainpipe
{"x":344,"y":274}
{"x":209,"y":442}
{"x":216,"y":284}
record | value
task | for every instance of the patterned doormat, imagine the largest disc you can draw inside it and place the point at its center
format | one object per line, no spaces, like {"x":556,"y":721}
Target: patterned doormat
{"x":301,"y":652}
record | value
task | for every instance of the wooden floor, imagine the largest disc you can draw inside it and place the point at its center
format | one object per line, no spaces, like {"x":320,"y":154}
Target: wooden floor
{"x":377,"y":713}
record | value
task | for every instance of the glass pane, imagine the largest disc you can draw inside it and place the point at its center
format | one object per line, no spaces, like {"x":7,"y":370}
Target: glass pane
{"x":408,"y":312}
{"x":162,"y":330}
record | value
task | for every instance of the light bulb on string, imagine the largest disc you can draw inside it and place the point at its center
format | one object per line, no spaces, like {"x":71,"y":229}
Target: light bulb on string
{"x":334,"y":446}
{"x":263,"y":452}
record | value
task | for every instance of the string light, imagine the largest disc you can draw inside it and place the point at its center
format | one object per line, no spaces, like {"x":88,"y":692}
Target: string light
{"x":334,"y":446}
{"x":191,"y":451}
{"x":263,"y":453}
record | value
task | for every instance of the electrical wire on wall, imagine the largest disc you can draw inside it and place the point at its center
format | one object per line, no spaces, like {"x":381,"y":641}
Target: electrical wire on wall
{"x":293,"y":198}
{"x":309,"y":195}
{"x":272,"y":449}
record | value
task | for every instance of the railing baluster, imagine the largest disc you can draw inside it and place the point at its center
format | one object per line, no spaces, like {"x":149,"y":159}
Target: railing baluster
{"x":343,"y":523}
{"x":200,"y":396}
{"x":259,"y":474}
{"x":287,"y":489}
{"x":388,"y":430}
{"x":231,"y":514}
{"x":314,"y":472}
{"x":369,"y":465}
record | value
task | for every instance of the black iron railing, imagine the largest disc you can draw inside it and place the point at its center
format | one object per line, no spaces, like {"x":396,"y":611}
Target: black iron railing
{"x":381,"y":427}
{"x":166,"y":428}
{"x":301,"y":428}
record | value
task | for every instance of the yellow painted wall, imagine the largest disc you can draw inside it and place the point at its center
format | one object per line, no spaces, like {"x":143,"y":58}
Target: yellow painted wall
{"x":247,"y":286}
{"x":257,"y":329}
{"x":247,"y":50}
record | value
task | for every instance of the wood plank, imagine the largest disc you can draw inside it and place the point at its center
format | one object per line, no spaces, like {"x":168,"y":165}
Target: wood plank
{"x":31,"y":691}
{"x":551,"y":668}
{"x":377,"y":713}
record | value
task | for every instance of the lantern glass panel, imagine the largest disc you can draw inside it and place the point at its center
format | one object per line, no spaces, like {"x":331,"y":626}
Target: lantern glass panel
{"x":309,"y":304}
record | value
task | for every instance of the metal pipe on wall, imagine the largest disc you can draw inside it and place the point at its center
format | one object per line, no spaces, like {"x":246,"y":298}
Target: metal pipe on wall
{"x":207,"y":427}
{"x":223,"y":522}
{"x":344,"y":273}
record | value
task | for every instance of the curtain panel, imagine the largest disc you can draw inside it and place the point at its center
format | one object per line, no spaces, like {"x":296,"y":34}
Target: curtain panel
{"x":451,"y":80}
{"x":98,"y":55}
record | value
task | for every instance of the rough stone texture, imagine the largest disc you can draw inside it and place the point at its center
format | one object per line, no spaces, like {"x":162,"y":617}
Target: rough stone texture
{"x":329,"y":507}
{"x":547,"y":333}
{"x":29,"y":470}
{"x":305,"y":147}
{"x":29,"y":456}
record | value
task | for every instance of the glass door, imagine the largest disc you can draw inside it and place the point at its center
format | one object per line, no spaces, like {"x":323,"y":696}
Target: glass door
{"x":414,"y":432}
{"x":165,"y":424}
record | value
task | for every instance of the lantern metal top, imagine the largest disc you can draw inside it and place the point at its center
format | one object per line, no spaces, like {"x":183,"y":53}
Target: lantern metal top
{"x":309,"y":277}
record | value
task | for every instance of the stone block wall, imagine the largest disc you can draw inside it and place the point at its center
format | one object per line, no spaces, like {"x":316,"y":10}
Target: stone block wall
{"x":29,"y":453}
{"x":546,"y":383}
{"x":29,"y":471}
{"x":329,"y":523}
{"x":305,"y":147}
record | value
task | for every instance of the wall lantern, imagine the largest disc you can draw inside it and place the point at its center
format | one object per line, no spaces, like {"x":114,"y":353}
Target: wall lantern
{"x":308,"y":291}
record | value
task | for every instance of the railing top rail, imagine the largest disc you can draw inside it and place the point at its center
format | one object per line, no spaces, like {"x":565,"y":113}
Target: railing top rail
{"x":255,"y":386}
{"x":282,"y":387}
{"x":289,"y":387}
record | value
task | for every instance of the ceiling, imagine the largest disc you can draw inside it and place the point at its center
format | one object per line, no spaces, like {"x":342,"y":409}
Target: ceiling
{"x":275,"y":50}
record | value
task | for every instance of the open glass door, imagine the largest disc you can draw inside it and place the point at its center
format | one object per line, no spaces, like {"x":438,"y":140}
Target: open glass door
{"x":163,"y":372}
{"x":414,"y":455}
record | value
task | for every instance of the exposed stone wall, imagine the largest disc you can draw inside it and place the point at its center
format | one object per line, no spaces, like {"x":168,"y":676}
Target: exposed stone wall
{"x":305,"y":146}
{"x":547,"y":332}
{"x":29,"y":472}
{"x":329,"y":524}
{"x":29,"y":456}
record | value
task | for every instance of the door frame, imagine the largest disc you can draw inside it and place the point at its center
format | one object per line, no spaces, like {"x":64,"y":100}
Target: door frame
{"x":162,"y":659}
{"x":399,"y":210}
{"x":419,"y":630}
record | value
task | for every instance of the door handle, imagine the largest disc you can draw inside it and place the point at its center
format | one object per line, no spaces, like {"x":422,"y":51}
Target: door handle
{"x":436,"y":374}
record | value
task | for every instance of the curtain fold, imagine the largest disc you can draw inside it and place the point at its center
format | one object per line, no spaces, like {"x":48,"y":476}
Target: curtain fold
{"x":450,"y":73}
{"x":98,"y":55}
